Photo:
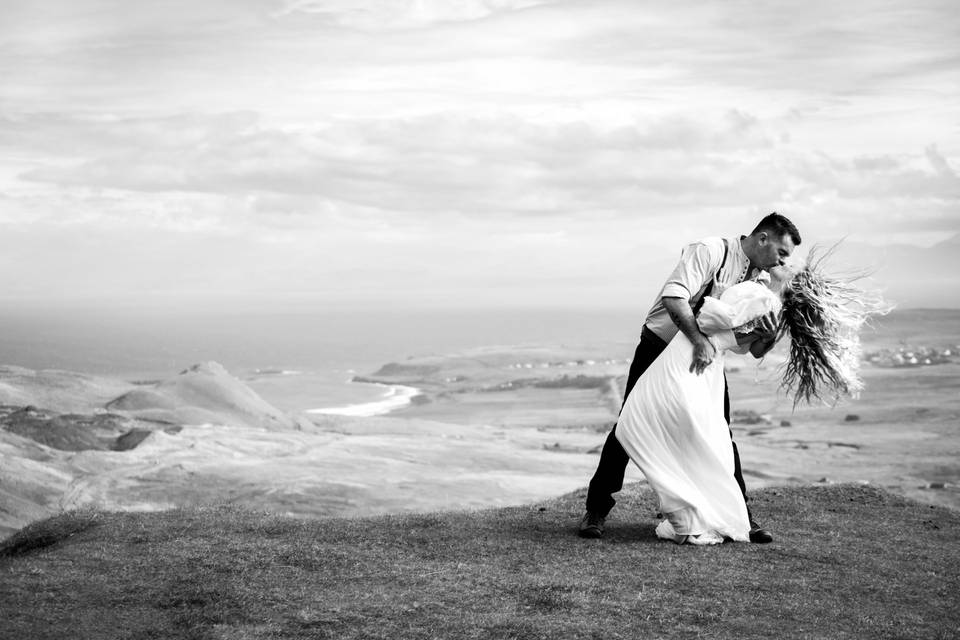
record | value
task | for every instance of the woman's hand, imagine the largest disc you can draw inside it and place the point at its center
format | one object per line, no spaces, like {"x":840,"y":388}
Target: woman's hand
{"x":766,"y":335}
{"x":766,"y":328}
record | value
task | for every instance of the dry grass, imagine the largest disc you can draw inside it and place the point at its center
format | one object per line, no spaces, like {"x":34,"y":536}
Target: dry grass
{"x":849,"y":562}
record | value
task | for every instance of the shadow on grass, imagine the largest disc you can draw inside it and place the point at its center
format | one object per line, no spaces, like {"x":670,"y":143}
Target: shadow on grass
{"x":46,"y":533}
{"x":631,"y":526}
{"x":632,"y":533}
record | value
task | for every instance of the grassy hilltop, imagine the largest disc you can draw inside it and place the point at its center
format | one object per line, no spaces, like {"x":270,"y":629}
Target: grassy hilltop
{"x":850,"y":561}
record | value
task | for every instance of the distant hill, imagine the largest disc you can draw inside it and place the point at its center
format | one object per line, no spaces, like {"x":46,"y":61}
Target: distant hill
{"x":910,"y":276}
{"x":204,"y":393}
{"x":62,"y":391}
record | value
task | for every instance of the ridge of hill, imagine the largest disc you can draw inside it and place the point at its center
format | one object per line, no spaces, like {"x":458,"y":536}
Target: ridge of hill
{"x":848,"y":561}
{"x":57,"y":390}
{"x":204,"y":393}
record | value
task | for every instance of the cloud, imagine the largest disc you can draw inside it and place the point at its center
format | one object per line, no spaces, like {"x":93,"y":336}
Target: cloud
{"x":940,"y":164}
{"x":420,"y":160}
{"x":349,"y":141}
{"x":436,"y":167}
{"x":402,"y":14}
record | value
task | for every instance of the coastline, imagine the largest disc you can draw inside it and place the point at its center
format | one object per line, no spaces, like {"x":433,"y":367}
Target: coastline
{"x":508,"y":423}
{"x":477,"y":428}
{"x":395,"y":397}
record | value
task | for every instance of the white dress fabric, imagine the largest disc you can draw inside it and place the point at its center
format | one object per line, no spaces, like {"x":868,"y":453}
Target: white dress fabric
{"x":672,"y":426}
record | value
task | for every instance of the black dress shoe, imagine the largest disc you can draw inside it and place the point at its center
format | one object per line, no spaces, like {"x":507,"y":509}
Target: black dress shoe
{"x":591,"y":526}
{"x":759,"y":535}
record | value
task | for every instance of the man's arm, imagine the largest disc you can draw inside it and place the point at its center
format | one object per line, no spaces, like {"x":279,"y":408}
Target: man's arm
{"x":682,"y":316}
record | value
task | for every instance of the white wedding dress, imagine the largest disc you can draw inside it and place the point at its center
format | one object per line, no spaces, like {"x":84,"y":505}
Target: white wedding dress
{"x":672,"y":426}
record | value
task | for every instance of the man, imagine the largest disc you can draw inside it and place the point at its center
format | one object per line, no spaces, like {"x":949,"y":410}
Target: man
{"x":706,"y":267}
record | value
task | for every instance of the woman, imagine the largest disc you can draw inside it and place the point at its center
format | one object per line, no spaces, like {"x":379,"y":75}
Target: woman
{"x":672,"y":424}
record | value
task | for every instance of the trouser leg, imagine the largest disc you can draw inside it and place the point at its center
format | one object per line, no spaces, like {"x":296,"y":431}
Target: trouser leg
{"x":737,"y":470}
{"x":608,"y":478}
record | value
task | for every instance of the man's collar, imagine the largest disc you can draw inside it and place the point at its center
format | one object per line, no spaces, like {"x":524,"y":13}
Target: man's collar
{"x":750,"y":266}
{"x":739,"y":244}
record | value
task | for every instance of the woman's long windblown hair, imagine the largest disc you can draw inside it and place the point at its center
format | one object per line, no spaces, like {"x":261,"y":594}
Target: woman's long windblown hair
{"x":824,"y":315}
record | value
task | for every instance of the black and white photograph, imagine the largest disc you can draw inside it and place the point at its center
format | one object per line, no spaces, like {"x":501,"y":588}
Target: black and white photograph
{"x":490,"y":319}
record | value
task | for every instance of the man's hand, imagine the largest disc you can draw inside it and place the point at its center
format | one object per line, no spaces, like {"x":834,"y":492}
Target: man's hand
{"x":682,"y":316}
{"x":703,"y":354}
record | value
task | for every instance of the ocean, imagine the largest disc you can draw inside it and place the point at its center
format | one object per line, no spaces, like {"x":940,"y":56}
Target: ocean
{"x":305,"y":361}
{"x":297,"y":361}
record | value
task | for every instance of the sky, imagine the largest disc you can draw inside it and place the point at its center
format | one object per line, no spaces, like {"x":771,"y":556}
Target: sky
{"x":338,"y":153}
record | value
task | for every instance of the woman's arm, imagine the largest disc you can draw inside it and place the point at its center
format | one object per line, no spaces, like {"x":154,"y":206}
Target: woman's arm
{"x":745,"y":342}
{"x":760,"y":347}
{"x":766,"y":335}
{"x":758,"y":341}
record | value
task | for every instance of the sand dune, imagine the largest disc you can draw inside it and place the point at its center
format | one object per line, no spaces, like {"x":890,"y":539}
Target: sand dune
{"x":204,"y":393}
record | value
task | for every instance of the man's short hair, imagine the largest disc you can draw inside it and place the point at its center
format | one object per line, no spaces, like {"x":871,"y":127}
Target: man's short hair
{"x":778,"y":226}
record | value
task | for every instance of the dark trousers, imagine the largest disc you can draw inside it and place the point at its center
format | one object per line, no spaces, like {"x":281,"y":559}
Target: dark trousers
{"x":608,"y":478}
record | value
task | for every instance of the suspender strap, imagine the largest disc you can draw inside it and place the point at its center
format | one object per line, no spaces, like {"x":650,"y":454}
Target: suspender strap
{"x":709,"y":289}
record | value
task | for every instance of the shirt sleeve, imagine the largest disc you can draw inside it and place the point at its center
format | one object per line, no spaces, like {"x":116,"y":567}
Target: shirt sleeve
{"x":699,"y":262}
